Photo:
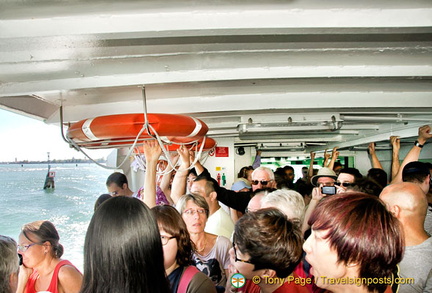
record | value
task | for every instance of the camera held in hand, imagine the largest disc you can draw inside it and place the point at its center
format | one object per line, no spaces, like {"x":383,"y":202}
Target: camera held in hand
{"x":329,"y":190}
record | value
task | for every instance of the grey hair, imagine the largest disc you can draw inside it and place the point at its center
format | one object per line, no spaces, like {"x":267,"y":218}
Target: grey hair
{"x":267,"y":170}
{"x":288,"y":201}
{"x":9,"y":263}
{"x":197,"y":199}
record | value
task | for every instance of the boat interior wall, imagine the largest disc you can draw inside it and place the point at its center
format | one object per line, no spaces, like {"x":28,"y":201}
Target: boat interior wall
{"x":287,"y":76}
{"x":229,"y":166}
{"x":359,"y":155}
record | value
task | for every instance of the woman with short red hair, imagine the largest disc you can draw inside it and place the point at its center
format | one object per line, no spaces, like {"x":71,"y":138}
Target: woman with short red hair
{"x":355,"y":244}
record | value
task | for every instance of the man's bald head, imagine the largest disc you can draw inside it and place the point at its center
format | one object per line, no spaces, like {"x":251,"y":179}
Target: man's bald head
{"x":409,"y":198}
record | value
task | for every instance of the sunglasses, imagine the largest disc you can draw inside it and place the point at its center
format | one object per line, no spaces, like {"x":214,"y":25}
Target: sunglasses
{"x":263,"y":182}
{"x":344,"y":184}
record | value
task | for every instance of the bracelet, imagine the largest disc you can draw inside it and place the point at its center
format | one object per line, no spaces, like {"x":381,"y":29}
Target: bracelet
{"x":416,"y":143}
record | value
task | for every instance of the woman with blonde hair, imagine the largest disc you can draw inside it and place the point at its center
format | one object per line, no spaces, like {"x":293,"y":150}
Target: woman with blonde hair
{"x":211,"y":251}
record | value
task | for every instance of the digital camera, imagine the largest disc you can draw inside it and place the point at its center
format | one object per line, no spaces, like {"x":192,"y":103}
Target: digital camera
{"x":329,"y":190}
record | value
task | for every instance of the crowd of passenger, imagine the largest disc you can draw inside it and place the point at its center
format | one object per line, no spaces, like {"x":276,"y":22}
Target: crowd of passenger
{"x":332,"y":230}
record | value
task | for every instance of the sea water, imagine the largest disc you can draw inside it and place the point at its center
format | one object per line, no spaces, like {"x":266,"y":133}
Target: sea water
{"x":69,"y":206}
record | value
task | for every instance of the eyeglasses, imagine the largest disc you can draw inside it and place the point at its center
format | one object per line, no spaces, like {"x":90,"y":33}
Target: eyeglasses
{"x":165,"y":239}
{"x":344,"y":184}
{"x":23,"y":248}
{"x":191,"y":212}
{"x":237,"y":259}
{"x":263,"y":182}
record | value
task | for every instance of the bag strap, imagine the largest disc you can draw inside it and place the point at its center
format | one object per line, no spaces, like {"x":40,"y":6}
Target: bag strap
{"x":187,"y":276}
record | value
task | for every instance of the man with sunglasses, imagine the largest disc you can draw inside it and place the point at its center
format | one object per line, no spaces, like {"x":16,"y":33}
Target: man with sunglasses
{"x":347,"y":178}
{"x":262,"y":177}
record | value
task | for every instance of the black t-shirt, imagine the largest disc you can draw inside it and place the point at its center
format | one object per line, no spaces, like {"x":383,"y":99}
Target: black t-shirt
{"x":174,"y":278}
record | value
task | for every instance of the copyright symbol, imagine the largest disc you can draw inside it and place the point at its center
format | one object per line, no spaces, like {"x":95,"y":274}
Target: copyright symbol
{"x":256,"y":280}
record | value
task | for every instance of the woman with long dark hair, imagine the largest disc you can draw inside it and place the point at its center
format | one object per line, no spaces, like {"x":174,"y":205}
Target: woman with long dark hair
{"x":123,"y":250}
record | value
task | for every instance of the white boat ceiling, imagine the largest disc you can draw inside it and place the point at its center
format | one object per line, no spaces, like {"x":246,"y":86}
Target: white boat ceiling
{"x":303,"y":75}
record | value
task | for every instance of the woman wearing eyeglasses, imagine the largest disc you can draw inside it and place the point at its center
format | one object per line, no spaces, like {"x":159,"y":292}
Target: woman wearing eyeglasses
{"x":266,"y":249}
{"x":211,"y":251}
{"x":177,"y":248}
{"x":43,"y":269}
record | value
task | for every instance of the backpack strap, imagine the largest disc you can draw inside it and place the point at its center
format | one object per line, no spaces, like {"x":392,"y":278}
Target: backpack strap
{"x":187,"y":276}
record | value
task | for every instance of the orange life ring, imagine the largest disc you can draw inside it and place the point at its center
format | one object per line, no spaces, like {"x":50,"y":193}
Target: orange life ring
{"x":122,"y":129}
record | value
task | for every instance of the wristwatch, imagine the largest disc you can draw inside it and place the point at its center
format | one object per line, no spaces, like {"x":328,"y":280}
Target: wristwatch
{"x":416,"y":143}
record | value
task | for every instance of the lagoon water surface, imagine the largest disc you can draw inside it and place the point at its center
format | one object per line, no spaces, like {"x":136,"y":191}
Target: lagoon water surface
{"x":69,"y":206}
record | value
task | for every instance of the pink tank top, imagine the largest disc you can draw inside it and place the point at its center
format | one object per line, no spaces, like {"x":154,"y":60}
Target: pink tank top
{"x":53,"y":286}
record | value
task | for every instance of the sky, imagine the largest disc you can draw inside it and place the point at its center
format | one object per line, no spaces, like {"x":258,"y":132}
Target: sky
{"x":24,"y":138}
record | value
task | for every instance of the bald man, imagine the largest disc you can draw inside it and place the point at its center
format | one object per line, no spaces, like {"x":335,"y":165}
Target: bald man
{"x":255,"y":202}
{"x":262,"y":178}
{"x":407,"y":202}
{"x":419,"y":173}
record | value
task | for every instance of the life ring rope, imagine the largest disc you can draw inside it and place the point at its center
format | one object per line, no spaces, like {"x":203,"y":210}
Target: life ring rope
{"x":141,"y":159}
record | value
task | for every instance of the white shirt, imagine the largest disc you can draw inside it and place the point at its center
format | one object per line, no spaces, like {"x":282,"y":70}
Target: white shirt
{"x":220,"y":224}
